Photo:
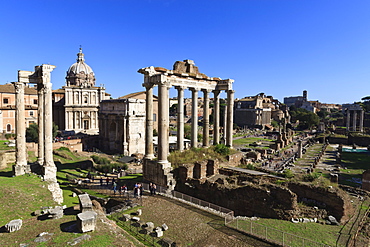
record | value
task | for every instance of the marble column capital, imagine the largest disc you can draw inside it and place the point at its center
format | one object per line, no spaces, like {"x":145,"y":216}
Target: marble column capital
{"x":180,"y":88}
{"x":194,"y":89}
{"x":216,"y":92}
{"x":206,"y":91}
{"x":19,"y":87}
{"x":148,"y":85}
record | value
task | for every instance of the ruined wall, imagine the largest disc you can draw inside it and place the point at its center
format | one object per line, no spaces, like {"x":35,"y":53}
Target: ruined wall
{"x":334,"y":200}
{"x":266,"y":200}
{"x":235,"y":159}
{"x":154,"y":172}
{"x":6,"y":158}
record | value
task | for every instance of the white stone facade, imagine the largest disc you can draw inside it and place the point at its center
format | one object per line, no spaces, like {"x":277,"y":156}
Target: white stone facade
{"x":76,"y":104}
{"x":122,"y":126}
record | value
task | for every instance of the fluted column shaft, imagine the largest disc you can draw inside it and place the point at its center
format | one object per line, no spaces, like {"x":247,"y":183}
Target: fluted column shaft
{"x":216,"y":117}
{"x":48,"y":121}
{"x":348,"y":119}
{"x":180,"y":118}
{"x":40,"y":121}
{"x":205,"y":117}
{"x":230,"y":120}
{"x":361,"y":120}
{"x":354,"y":120}
{"x":194,"y":117}
{"x":163,"y":123}
{"x":21,"y":151}
{"x":149,"y":151}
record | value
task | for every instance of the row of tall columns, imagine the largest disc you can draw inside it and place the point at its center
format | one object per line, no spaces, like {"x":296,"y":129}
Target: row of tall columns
{"x":163,"y":120}
{"x":354,"y":120}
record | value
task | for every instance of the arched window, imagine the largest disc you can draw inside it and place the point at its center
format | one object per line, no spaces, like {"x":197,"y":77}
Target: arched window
{"x":8,"y":128}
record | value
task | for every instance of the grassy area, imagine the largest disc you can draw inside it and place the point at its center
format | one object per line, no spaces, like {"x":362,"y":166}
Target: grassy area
{"x":195,"y":155}
{"x":356,"y":164}
{"x":273,"y":228}
{"x":3,"y":146}
{"x":250,"y":140}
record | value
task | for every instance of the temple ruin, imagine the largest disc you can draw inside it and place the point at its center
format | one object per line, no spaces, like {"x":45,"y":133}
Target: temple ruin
{"x":40,"y":77}
{"x":184,"y":75}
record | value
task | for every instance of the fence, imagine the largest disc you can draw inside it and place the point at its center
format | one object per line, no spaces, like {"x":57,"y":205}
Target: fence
{"x":270,"y":234}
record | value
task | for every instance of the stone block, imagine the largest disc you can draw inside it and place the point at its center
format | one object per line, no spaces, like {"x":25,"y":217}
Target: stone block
{"x":149,"y":224}
{"x":135,"y":218}
{"x":164,"y":227}
{"x":158,"y":233}
{"x":86,"y":221}
{"x":56,"y":213}
{"x":13,"y":225}
{"x":139,"y":212}
{"x":85,"y":203}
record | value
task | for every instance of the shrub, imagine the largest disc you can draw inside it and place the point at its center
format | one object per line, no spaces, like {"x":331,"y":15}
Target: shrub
{"x":222,"y":149}
{"x":311,"y":177}
{"x":64,"y":149}
{"x":250,"y":167}
{"x":288,"y":173}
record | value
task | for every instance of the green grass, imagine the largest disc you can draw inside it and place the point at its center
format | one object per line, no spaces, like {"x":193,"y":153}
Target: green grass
{"x":195,"y":155}
{"x":3,"y":146}
{"x":313,"y":231}
{"x":250,"y":140}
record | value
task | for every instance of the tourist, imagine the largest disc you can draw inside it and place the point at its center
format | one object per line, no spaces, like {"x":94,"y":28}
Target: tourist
{"x":101,"y":181}
{"x":107,"y":180}
{"x":114,"y":187}
{"x":151,"y":188}
{"x":154,"y":188}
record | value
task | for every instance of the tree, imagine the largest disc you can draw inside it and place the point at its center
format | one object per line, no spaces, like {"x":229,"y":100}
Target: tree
{"x":306,"y":118}
{"x":32,"y":132}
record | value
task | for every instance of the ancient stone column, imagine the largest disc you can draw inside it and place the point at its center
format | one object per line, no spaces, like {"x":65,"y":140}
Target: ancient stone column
{"x":49,"y":167}
{"x":205,"y":117}
{"x":194,"y":117}
{"x":299,"y":149}
{"x":40,"y":121}
{"x":149,"y":150}
{"x":348,"y":119}
{"x":21,"y":149}
{"x":163,"y":123}
{"x":230,"y":119}
{"x":361,"y":120}
{"x":180,"y":118}
{"x":354,"y":120}
{"x":216,"y":117}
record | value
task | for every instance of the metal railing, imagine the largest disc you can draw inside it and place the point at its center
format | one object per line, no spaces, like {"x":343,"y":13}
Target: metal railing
{"x":270,"y":234}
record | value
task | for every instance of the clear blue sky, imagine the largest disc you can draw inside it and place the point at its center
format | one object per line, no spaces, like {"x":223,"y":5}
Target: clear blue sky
{"x":279,"y":47}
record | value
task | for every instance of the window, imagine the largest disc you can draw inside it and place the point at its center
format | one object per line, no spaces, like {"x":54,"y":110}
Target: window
{"x":154,"y":117}
{"x":6,"y":101}
{"x":31,"y":113}
{"x":8,"y":128}
{"x":35,"y":101}
{"x":85,"y":100}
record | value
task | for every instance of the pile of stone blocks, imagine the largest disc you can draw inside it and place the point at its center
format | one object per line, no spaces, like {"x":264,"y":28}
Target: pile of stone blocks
{"x":86,"y":220}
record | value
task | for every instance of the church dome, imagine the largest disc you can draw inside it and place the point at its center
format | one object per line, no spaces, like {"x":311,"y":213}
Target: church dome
{"x":80,"y":74}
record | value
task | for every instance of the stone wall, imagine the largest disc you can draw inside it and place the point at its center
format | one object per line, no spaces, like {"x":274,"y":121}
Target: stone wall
{"x":6,"y":158}
{"x":235,"y":159}
{"x":266,"y":200}
{"x":334,"y":200}
{"x":253,"y":196}
{"x":156,"y":173}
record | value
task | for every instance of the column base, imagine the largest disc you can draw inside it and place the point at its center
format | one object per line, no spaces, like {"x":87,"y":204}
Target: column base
{"x":164,"y":163}
{"x":19,"y":170}
{"x":50,"y":173}
{"x":149,"y":156}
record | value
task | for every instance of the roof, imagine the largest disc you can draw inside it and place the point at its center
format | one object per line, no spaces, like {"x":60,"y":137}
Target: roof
{"x":126,"y":159}
{"x":137,"y":95}
{"x":9,"y":88}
